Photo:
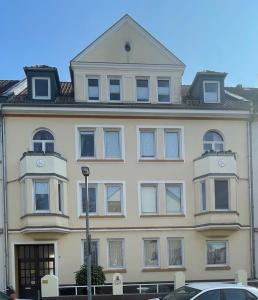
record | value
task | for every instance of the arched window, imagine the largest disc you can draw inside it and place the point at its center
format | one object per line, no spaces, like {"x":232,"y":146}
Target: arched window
{"x":43,"y":141}
{"x":212,"y":140}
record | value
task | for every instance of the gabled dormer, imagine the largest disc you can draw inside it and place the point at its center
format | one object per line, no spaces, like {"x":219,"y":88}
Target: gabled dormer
{"x":43,"y":82}
{"x":208,"y":87}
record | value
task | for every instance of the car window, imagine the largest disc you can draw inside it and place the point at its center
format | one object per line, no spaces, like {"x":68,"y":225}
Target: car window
{"x":236,"y":294}
{"x":183,"y":293}
{"x":250,"y":296}
{"x":210,"y":295}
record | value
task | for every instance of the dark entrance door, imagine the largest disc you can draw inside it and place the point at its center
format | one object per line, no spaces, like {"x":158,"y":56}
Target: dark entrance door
{"x":34,"y":262}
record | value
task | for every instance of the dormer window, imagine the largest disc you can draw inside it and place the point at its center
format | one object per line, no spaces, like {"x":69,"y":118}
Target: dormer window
{"x":41,"y":88}
{"x":93,"y":89}
{"x":211,"y":91}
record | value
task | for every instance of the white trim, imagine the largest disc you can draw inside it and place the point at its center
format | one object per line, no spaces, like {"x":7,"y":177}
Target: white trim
{"x":143,"y":254}
{"x":170,"y":89}
{"x":12,"y":252}
{"x":93,"y":127}
{"x":123,"y":253}
{"x":182,"y":251}
{"x":127,"y":112}
{"x":48,"y":97}
{"x":180,"y":129}
{"x":227,"y":253}
{"x":218,"y":91}
{"x":101,"y":199}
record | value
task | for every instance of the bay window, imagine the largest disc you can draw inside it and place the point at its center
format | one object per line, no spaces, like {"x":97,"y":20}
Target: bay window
{"x":41,"y":195}
{"x":221,"y":194}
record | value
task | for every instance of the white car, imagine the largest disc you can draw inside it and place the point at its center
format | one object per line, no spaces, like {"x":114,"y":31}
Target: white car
{"x":213,"y":291}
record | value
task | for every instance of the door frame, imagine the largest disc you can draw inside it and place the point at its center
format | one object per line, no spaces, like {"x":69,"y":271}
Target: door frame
{"x":13,"y":266}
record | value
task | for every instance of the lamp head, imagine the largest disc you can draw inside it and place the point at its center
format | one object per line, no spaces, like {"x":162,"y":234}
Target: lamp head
{"x":85,"y":171}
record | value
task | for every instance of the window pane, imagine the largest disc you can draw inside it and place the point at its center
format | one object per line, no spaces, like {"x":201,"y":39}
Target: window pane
{"x":151,"y":255}
{"x":112,"y":144}
{"x":41,"y":196}
{"x":116,"y":259}
{"x":147,"y":143}
{"x":163,"y":91}
{"x":175,"y":252}
{"x":212,"y":136}
{"x":114,"y":88}
{"x":60,"y":196}
{"x":211,"y":92}
{"x":94,"y":252}
{"x":221,"y":194}
{"x":174,"y":198}
{"x":37,"y":147}
{"x":49,"y":147}
{"x":93,"y":89}
{"x":203,"y":195}
{"x":41,"y":88}
{"x":43,"y":135}
{"x":92,"y":192}
{"x":236,"y":294}
{"x":142,"y":90}
{"x":172,"y":144}
{"x":114,"y":196}
{"x":149,"y":199}
{"x":210,"y":295}
{"x":87,"y":144}
{"x":216,"y":253}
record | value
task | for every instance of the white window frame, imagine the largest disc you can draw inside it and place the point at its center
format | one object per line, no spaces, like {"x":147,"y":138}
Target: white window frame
{"x":159,"y":183}
{"x":183,"y":251}
{"x":229,"y":193}
{"x":213,"y":143}
{"x":82,"y":250}
{"x":182,"y":212}
{"x":154,"y":130}
{"x":122,"y":199}
{"x":140,"y":198}
{"x":119,"y":130}
{"x":172,"y":128}
{"x":179,"y":131}
{"x":48,"y":97}
{"x":143,"y":252}
{"x":87,"y":88}
{"x":218,"y":91}
{"x":93,"y":127}
{"x":170,"y":90}
{"x":120,"y":86}
{"x":123,"y":253}
{"x":200,"y":195}
{"x":136,"y":95}
{"x":227,"y":254}
{"x":80,"y":185}
{"x":34,"y":195}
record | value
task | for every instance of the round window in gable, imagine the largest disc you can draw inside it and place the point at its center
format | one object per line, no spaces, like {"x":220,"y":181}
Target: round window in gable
{"x":127,"y":47}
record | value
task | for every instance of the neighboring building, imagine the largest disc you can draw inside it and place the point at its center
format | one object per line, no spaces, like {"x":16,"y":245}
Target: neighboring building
{"x":169,"y":167}
{"x":5,"y":87}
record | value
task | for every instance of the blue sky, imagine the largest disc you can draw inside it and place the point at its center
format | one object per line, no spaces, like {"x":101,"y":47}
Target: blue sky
{"x":219,"y":35}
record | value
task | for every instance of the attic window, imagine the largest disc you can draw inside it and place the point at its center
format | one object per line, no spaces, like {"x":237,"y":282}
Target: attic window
{"x":211,"y":91}
{"x":41,"y":88}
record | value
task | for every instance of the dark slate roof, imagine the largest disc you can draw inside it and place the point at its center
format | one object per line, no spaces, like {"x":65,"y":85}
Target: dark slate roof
{"x":66,"y":97}
{"x":6,"y":84}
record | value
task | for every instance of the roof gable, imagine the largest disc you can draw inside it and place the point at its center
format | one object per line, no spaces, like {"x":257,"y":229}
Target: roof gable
{"x":110,"y":47}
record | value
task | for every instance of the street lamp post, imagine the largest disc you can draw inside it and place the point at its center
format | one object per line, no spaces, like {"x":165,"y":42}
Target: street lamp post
{"x":86,"y":173}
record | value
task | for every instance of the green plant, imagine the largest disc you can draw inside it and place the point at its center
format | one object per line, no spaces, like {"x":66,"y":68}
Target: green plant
{"x":97,"y":275}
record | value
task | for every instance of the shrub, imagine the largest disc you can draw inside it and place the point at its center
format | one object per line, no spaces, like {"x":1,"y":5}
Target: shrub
{"x":97,"y":275}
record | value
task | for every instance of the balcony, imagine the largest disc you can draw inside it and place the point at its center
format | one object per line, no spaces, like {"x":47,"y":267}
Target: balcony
{"x":217,"y":223}
{"x":36,"y":164}
{"x":45,"y":223}
{"x":215,"y":163}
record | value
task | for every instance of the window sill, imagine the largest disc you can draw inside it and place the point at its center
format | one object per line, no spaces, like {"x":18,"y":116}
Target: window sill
{"x":101,"y":160}
{"x":214,"y":268}
{"x":103,"y":216}
{"x":162,"y":216}
{"x":110,"y":271}
{"x":45,"y":214}
{"x":225,"y":211}
{"x":173,"y":269}
{"x":159,"y":160}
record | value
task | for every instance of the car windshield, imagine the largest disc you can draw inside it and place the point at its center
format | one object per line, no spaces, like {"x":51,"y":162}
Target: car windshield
{"x":183,"y":293}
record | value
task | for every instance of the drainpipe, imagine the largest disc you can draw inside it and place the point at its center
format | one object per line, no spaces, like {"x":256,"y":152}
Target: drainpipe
{"x":250,"y":188}
{"x":5,"y":211}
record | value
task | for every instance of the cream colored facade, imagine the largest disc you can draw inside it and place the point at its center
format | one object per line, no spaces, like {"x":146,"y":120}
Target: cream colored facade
{"x":66,"y":229}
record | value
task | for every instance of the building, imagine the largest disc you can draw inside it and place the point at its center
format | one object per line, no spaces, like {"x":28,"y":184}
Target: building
{"x":168,"y":172}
